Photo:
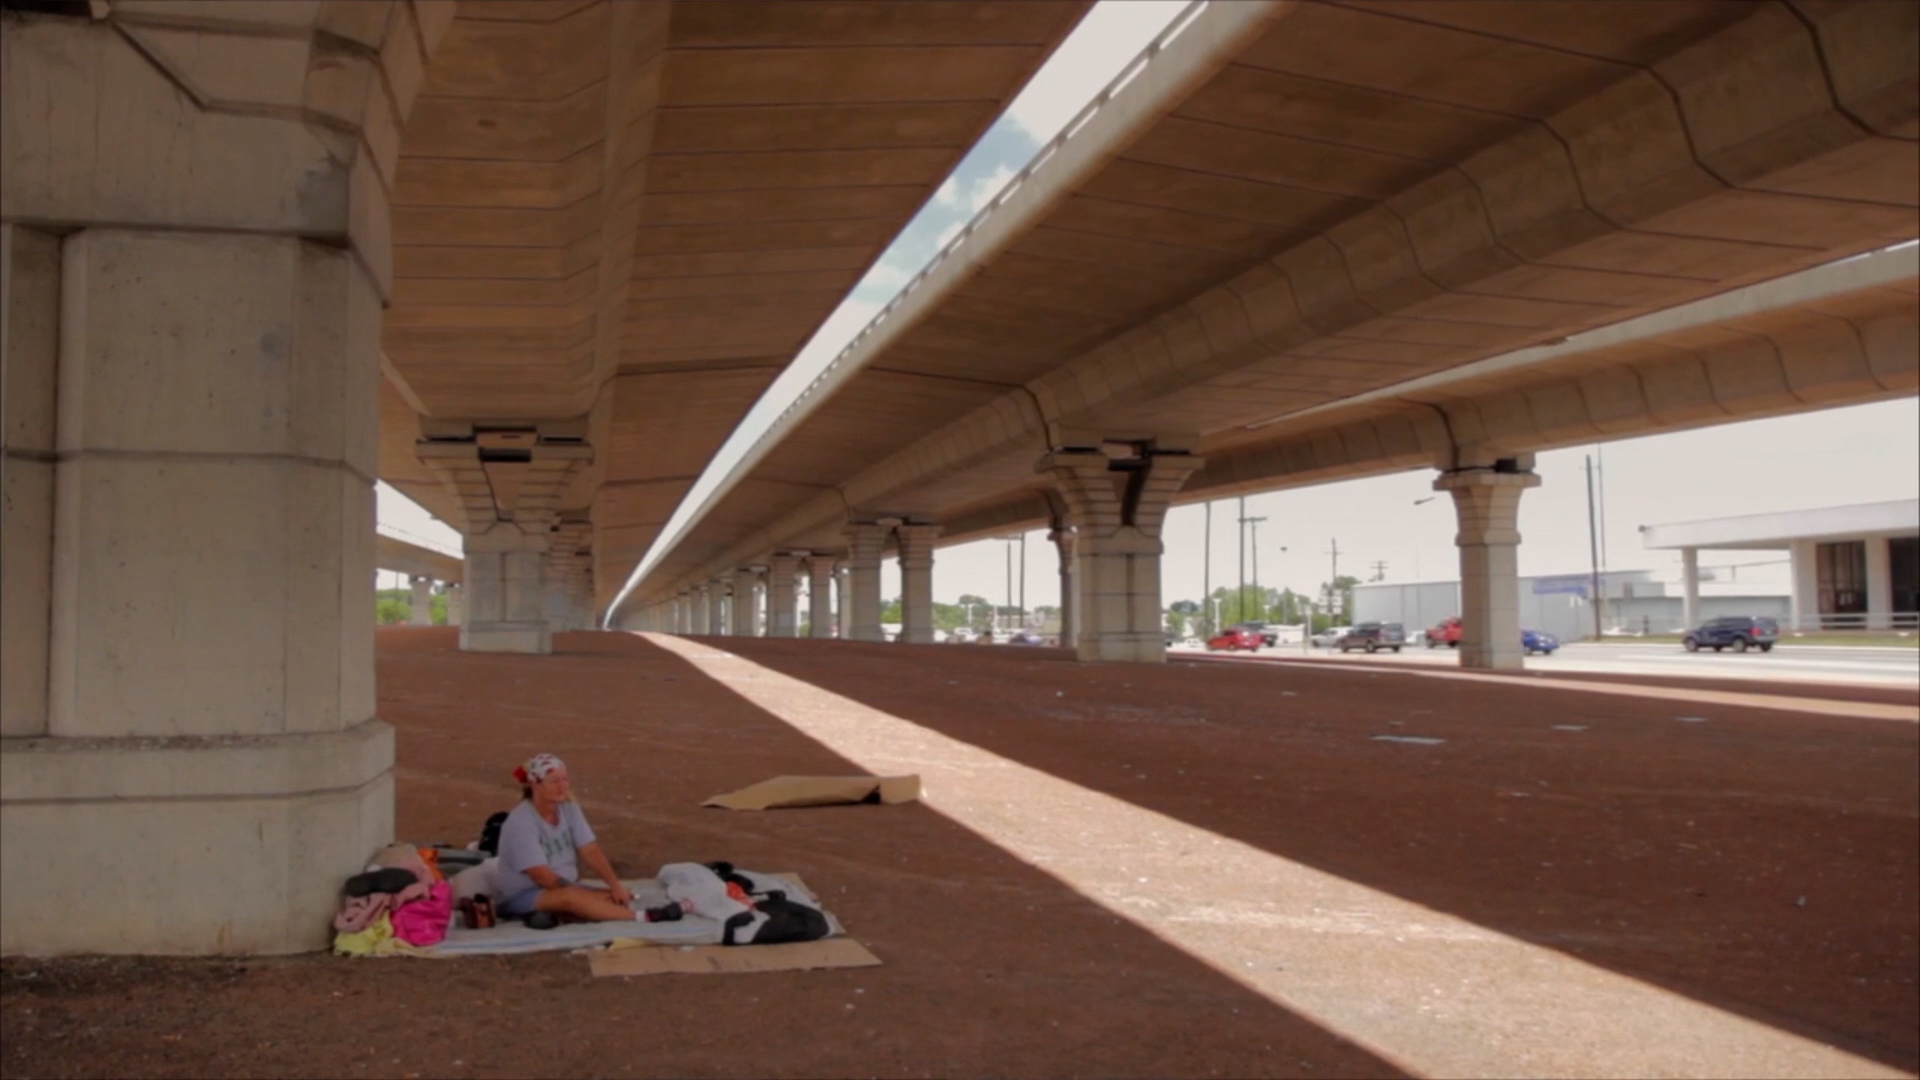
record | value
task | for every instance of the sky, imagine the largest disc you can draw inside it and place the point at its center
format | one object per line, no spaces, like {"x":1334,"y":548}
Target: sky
{"x":1861,"y":454}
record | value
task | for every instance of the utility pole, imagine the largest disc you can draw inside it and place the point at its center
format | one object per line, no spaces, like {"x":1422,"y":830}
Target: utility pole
{"x":1241,"y":592}
{"x":1600,"y":482}
{"x":1253,"y":523}
{"x":1006,"y":625}
{"x":1206,"y":571}
{"x":1593,"y":547}
{"x":1333,"y":583}
{"x":1380,"y":570}
{"x":1023,"y":581}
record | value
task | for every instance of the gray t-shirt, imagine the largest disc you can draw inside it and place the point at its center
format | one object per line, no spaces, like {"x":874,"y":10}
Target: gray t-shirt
{"x":527,"y":841}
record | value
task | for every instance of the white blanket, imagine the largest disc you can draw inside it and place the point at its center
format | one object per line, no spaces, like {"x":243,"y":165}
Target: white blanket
{"x":515,"y":937}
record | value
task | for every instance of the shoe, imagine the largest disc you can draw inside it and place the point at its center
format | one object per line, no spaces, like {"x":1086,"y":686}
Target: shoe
{"x":542,"y":920}
{"x":389,"y":879}
{"x":664,"y":913}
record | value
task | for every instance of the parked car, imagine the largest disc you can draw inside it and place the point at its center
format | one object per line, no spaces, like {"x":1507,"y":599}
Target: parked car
{"x":1325,"y":638}
{"x":1372,"y":637}
{"x":1025,"y":637}
{"x":960,"y":635}
{"x":1269,"y":636}
{"x":1234,"y":638}
{"x":1538,"y":641}
{"x":1736,"y":632}
{"x":1445,"y":632}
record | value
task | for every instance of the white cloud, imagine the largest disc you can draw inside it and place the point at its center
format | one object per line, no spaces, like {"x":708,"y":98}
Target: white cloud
{"x":886,"y":276}
{"x":949,"y":193}
{"x":1108,"y":39}
{"x":947,"y":234}
{"x":987,"y":187}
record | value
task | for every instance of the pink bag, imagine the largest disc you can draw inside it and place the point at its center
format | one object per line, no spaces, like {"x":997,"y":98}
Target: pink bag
{"x":424,"y":921}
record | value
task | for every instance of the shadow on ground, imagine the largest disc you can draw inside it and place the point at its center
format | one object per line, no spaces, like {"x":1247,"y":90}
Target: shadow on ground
{"x":1762,"y":862}
{"x":991,"y":967}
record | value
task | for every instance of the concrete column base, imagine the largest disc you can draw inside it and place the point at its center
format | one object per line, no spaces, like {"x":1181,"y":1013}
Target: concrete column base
{"x":1118,"y":585}
{"x":862,"y":608}
{"x":507,"y":637}
{"x":187,"y":846}
{"x":782,"y":614}
{"x":1487,"y":502}
{"x":819,"y":597}
{"x":916,"y":582}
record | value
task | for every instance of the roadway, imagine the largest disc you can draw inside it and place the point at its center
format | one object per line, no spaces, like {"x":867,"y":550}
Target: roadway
{"x":1786,"y":663}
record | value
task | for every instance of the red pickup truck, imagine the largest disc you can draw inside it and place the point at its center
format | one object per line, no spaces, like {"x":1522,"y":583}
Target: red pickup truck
{"x":1446,"y":633}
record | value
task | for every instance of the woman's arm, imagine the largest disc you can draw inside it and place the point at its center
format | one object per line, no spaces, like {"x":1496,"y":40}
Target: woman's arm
{"x":544,"y":877}
{"x":596,"y":861}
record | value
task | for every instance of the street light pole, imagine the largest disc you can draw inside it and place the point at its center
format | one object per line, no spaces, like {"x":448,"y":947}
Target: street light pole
{"x":1206,"y":570}
{"x":1593,"y":548}
{"x":1240,"y":593}
{"x":1253,"y":523}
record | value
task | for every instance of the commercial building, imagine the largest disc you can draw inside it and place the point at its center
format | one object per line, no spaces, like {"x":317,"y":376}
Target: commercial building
{"x":1853,"y":567}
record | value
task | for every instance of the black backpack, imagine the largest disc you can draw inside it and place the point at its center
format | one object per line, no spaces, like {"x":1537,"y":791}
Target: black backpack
{"x":786,"y":919}
{"x":490,"y":833}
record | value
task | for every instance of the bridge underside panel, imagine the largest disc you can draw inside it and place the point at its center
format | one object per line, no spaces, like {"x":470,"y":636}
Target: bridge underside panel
{"x":1365,"y":194}
{"x":637,"y":213}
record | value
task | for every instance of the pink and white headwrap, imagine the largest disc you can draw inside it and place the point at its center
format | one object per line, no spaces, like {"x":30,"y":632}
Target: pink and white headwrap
{"x":537,"y":768}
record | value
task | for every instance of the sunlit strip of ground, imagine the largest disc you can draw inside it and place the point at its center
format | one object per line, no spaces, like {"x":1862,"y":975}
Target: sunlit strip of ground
{"x":1435,"y":994}
{"x":1863,"y":710}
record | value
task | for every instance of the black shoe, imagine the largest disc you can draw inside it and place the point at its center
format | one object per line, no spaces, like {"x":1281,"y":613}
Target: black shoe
{"x":390,"y":879}
{"x":664,"y":913}
{"x":542,"y":920}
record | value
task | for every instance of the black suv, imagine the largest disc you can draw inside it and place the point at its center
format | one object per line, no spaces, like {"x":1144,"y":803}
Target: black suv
{"x":1736,"y":632}
{"x":1373,"y":637}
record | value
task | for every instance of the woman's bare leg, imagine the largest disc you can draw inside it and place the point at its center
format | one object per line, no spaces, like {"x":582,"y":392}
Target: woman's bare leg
{"x":593,"y":905}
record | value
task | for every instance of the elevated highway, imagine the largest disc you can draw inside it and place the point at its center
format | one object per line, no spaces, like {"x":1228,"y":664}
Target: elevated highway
{"x":614,"y":223}
{"x":1314,"y":241}
{"x":530,"y":262}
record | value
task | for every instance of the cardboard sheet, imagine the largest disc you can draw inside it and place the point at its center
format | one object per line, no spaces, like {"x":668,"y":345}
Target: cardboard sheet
{"x":792,"y":791}
{"x":841,"y":952}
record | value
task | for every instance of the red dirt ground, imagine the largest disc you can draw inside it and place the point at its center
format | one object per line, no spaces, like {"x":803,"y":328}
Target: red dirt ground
{"x":993,"y":968}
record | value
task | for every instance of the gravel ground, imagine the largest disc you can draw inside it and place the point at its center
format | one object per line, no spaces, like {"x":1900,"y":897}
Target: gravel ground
{"x":1763,"y":863}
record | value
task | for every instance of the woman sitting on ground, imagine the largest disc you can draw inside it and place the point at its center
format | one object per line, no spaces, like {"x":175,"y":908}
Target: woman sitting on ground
{"x":542,"y":844}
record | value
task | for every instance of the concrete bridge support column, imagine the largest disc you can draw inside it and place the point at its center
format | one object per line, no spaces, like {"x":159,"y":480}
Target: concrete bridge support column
{"x":916,"y":582}
{"x":1879,"y":583}
{"x":506,"y":579}
{"x":782,"y":615}
{"x":1804,"y":591}
{"x":742,"y":619}
{"x":1487,"y":501}
{"x":1116,"y":507}
{"x":189,"y":759}
{"x":421,"y":613}
{"x":861,"y":615}
{"x":1689,"y":587}
{"x":819,"y":596}
{"x":1069,"y":602}
{"x":456,"y":604}
{"x":843,"y":593}
{"x":717,"y":606}
{"x":699,"y":608}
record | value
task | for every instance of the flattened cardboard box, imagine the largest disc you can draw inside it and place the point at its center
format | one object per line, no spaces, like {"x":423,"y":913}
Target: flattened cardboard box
{"x":840,"y":952}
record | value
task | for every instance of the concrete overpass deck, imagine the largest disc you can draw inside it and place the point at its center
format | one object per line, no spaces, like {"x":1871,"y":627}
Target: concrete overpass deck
{"x":1186,"y":870}
{"x":614,"y":223}
{"x":1292,"y":207}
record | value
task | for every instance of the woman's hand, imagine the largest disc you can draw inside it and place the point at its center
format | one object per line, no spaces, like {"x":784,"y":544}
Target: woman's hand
{"x":618,"y":893}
